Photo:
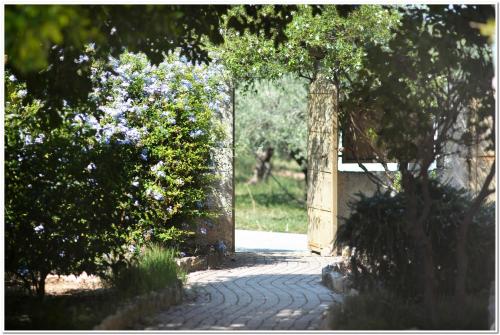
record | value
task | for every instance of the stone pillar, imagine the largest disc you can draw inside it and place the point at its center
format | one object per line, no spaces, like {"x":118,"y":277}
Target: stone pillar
{"x":220,"y":199}
{"x":322,"y":148}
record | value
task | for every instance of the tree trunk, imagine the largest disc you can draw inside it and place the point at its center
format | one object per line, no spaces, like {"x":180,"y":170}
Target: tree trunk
{"x":40,"y":285}
{"x":301,"y":160}
{"x":263,"y":166}
{"x":417,"y":217}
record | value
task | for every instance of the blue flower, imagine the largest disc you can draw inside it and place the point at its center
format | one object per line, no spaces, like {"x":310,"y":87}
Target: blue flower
{"x":133,"y":134}
{"x":196,"y":133}
{"x":81,"y":59}
{"x":144,"y":154}
{"x":27,"y":139}
{"x":90,"y":167}
{"x":157,"y":195}
{"x":22,"y":93}
{"x":12,"y":78}
{"x":39,"y":229}
{"x":39,"y":138}
{"x":187,"y":84}
{"x":192,"y":118}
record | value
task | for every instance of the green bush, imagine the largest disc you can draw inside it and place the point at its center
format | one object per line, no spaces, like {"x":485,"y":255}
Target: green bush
{"x":384,"y":253}
{"x":152,"y":269}
{"x":379,"y":310}
{"x":131,"y":165}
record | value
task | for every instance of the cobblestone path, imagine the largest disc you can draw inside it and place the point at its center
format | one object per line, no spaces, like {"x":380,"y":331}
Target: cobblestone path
{"x":253,"y":291}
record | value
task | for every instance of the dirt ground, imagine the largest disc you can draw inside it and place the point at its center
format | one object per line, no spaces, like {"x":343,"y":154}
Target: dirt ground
{"x":61,"y":285}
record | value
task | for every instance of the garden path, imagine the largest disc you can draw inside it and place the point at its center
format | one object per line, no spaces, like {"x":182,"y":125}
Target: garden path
{"x":252,"y":291}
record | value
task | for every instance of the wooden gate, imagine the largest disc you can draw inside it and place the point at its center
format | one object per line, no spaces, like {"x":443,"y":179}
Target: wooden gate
{"x":322,"y":148}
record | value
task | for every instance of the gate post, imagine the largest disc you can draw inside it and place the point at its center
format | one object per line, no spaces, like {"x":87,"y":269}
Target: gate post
{"x":322,"y":166}
{"x":221,"y":199}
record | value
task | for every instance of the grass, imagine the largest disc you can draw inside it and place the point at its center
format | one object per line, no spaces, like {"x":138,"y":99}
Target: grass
{"x":267,"y":206}
{"x":154,"y":269}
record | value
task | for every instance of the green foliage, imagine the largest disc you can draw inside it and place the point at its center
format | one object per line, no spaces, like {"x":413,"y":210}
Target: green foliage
{"x":380,"y":310}
{"x":272,"y":114}
{"x":152,"y":269}
{"x":42,"y":42}
{"x":139,"y":28}
{"x":435,"y":73}
{"x":32,"y":30}
{"x":132,"y":165}
{"x":59,"y":216}
{"x":329,"y":42}
{"x":165,"y":114}
{"x":385,"y":253}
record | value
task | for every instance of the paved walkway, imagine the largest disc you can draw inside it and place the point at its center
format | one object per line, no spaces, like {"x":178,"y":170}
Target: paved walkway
{"x":252,"y":291}
{"x":249,"y":240}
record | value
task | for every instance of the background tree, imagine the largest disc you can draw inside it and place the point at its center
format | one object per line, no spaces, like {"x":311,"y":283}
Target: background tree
{"x":270,"y":117}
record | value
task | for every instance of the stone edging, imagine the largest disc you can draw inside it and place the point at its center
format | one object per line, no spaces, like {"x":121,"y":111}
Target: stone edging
{"x":199,"y":263}
{"x":336,"y":281}
{"x":141,"y":305}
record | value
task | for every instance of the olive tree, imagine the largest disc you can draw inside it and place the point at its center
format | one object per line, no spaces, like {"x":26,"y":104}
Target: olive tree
{"x":270,"y":118}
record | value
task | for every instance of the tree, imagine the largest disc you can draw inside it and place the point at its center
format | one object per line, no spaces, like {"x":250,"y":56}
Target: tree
{"x":43,"y":42}
{"x":434,"y":73}
{"x":270,"y":118}
{"x":330,"y":42}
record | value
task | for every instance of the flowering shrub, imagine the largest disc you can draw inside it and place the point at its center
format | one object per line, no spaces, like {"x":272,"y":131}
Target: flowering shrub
{"x":132,"y":165}
{"x":164,"y":115}
{"x":60,"y":211}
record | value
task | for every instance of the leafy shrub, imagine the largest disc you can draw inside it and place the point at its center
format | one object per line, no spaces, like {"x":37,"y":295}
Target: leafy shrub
{"x":154,"y":268}
{"x":166,"y":116}
{"x":59,"y":212}
{"x":385,"y":255}
{"x":132,"y":165}
{"x":379,"y":310}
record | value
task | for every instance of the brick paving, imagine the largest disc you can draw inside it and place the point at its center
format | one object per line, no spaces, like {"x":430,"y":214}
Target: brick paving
{"x":251,"y":291}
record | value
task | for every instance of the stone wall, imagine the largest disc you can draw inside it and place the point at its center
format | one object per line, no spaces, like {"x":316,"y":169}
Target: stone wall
{"x":220,"y":198}
{"x":349,"y":184}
